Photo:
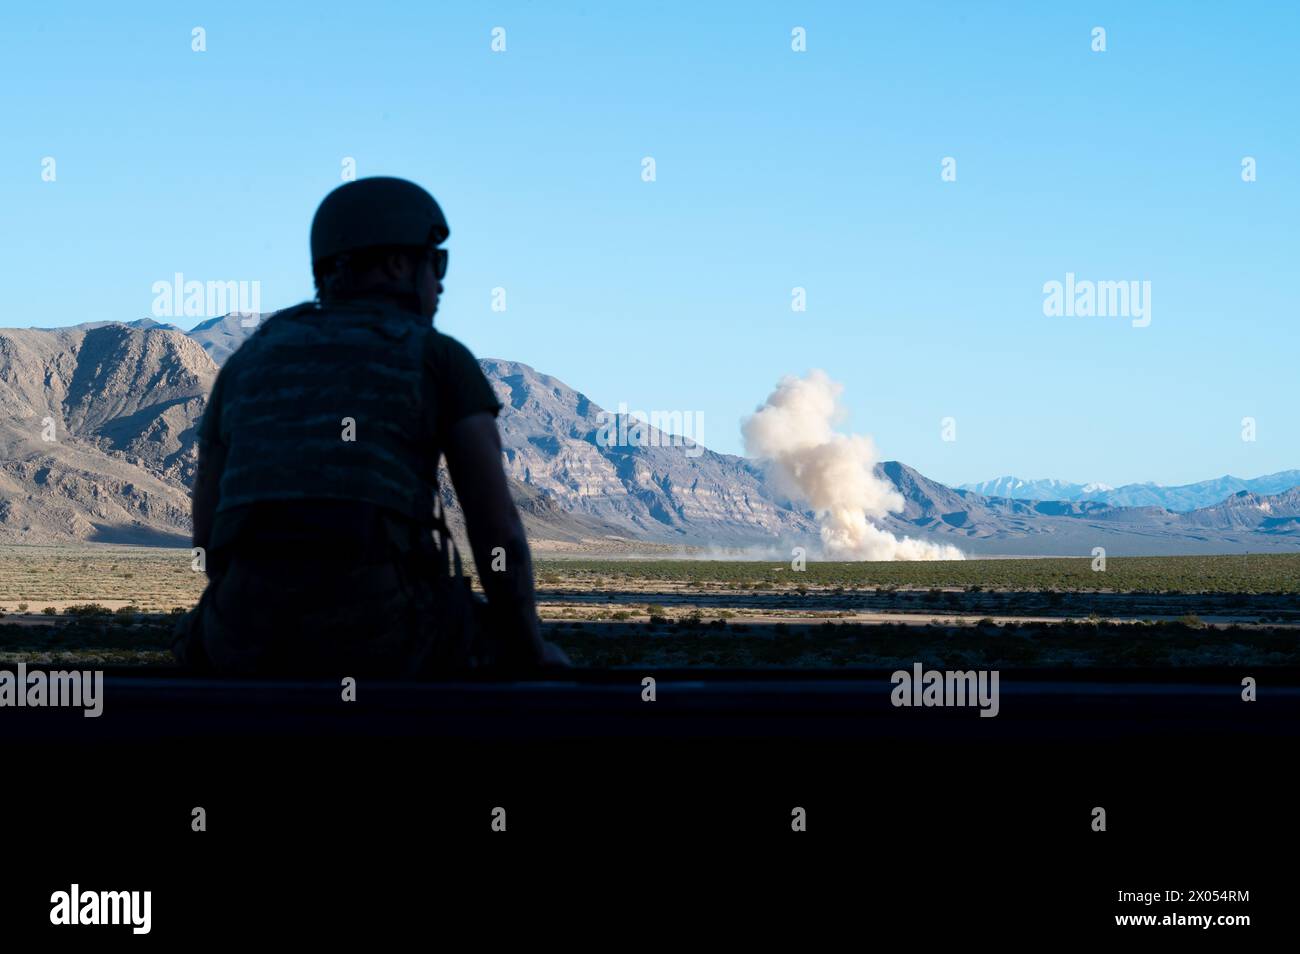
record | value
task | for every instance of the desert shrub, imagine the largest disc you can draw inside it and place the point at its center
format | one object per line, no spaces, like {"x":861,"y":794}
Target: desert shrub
{"x":87,"y":609}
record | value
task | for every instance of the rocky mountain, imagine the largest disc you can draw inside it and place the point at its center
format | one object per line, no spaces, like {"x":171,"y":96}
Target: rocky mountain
{"x":652,"y":490}
{"x":97,"y":432}
{"x":1182,"y":498}
{"x":97,"y":443}
{"x":1277,"y":514}
{"x":144,"y":324}
{"x":125,"y":400}
{"x":1009,"y":526}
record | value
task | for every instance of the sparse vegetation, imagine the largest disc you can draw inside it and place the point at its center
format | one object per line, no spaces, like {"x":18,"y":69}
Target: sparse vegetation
{"x":891,"y":646}
{"x":1256,"y":573}
{"x":87,"y":609}
{"x":1140,"y":611}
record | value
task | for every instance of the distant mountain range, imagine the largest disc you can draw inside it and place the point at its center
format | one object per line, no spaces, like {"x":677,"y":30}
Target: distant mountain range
{"x":1181,"y":499}
{"x":124,"y":400}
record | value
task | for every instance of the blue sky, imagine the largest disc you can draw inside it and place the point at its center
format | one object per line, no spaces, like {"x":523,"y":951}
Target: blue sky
{"x":775,"y":169}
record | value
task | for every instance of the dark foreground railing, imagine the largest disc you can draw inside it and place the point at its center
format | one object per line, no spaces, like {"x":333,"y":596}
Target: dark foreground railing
{"x":1126,"y":704}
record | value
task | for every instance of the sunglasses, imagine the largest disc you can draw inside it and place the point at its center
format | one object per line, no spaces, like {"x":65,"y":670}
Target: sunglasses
{"x":439,"y":258}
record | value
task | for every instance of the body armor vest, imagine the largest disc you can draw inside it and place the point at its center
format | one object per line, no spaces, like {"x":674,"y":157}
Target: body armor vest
{"x":328,"y":402}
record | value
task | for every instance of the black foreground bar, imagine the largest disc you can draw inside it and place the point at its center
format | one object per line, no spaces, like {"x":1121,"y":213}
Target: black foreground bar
{"x":1123,"y":705}
{"x":930,"y":809}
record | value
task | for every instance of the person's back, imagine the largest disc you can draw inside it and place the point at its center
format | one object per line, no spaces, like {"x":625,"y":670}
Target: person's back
{"x":316,"y":493}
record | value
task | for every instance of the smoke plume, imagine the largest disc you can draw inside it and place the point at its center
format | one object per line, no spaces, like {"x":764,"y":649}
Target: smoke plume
{"x":792,"y":433}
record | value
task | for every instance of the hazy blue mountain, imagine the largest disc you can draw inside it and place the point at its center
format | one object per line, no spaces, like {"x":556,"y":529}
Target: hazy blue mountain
{"x":221,"y":336}
{"x":1044,"y":489}
{"x":1182,"y":498}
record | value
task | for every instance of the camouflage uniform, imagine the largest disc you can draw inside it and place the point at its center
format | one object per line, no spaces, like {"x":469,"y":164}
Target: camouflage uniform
{"x":321,"y":441}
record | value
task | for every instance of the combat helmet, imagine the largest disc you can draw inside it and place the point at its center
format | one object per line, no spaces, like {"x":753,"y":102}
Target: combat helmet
{"x":372,"y":212}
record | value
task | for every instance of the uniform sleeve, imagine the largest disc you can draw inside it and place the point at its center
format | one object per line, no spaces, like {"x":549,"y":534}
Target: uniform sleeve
{"x":209,"y":431}
{"x":211,"y":463}
{"x":462,"y":387}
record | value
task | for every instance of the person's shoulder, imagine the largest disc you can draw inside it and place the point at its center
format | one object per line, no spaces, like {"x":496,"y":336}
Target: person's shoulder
{"x":447,"y":349}
{"x":308,"y":310}
{"x":274,"y":319}
{"x":447,"y":342}
{"x":462,"y":383}
{"x":248,"y":350}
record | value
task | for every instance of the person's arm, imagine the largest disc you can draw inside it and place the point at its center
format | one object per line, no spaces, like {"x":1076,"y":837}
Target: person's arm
{"x":207,"y":478}
{"x":474,"y":460}
{"x":207,"y":483}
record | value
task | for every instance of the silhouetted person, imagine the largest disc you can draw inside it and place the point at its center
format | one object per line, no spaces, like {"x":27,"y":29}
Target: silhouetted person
{"x":318,"y":465}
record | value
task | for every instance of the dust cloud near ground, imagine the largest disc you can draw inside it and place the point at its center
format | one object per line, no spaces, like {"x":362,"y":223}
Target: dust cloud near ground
{"x":794,"y":435}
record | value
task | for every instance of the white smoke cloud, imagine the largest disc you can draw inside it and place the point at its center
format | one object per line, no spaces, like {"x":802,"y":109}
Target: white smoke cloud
{"x":793,"y":434}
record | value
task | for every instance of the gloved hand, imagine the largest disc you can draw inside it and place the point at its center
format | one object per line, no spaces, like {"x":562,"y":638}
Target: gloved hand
{"x":553,"y":657}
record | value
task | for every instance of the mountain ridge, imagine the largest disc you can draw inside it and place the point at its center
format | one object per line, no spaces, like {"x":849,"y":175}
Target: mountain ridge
{"x":125,"y":398}
{"x":1181,"y":498}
